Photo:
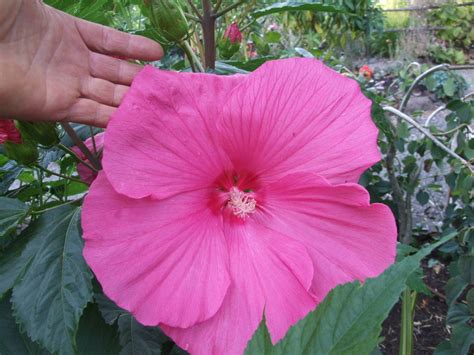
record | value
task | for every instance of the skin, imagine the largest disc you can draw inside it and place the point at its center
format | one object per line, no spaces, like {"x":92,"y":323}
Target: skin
{"x":55,"y":67}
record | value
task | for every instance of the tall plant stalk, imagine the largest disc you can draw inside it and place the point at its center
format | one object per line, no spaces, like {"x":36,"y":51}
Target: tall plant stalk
{"x":406,"y":328}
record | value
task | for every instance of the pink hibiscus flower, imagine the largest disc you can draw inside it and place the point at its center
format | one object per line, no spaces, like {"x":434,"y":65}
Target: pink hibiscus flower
{"x":228,"y":199}
{"x":85,"y":173}
{"x":9,"y":132}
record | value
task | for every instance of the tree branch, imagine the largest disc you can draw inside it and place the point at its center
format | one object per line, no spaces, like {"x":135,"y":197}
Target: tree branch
{"x":229,"y":8}
{"x":427,"y":134}
{"x":194,"y":9}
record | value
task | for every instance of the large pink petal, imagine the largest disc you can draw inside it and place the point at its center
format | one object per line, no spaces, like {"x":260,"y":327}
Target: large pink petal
{"x":270,"y":273}
{"x":162,"y":260}
{"x":162,"y":138}
{"x":346,"y":237}
{"x":297,"y":115}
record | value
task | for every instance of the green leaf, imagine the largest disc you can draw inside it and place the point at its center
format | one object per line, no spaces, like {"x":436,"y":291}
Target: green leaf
{"x":137,"y":339}
{"x":462,"y":338}
{"x":12,"y":341}
{"x":14,"y":261}
{"x":272,"y":37}
{"x":422,"y":197}
{"x":449,"y":87}
{"x":95,"y":336}
{"x":466,"y":268}
{"x":56,"y":287}
{"x":12,"y":211}
{"x":454,"y":287}
{"x":295,"y":6}
{"x":349,"y":319}
{"x":470,"y":301}
{"x":458,"y":314}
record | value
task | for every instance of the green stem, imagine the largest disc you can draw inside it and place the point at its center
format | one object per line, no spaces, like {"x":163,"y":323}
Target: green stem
{"x":47,"y":171}
{"x":80,"y":144}
{"x":406,"y":330}
{"x":76,"y":157}
{"x":193,"y":59}
{"x":35,"y":212}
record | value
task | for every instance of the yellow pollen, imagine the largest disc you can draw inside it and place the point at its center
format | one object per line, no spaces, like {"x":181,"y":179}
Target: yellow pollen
{"x":241,"y":203}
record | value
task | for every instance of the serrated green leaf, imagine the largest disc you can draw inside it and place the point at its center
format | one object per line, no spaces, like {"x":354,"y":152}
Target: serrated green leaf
{"x":14,"y":261}
{"x":12,"y":341}
{"x":12,"y":211}
{"x":56,"y":287}
{"x":136,"y":339}
{"x":295,"y":6}
{"x":95,"y":336}
{"x":349,"y":319}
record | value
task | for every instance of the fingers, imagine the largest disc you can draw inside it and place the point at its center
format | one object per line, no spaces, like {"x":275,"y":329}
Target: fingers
{"x":90,"y":112}
{"x":112,"y":69}
{"x":106,"y":40}
{"x":103,"y":91}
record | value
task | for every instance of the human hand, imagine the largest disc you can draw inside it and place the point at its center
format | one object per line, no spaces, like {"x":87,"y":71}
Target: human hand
{"x":55,"y":67}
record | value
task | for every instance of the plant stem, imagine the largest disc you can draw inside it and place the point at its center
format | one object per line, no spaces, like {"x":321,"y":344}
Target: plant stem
{"x":80,"y":144}
{"x":52,"y":208}
{"x":218,"y":5}
{"x":423,"y":75}
{"x":406,"y":330}
{"x":47,"y":171}
{"x":94,"y":146}
{"x":193,"y":59}
{"x":76,"y":157}
{"x":195,"y":9}
{"x":229,"y":8}
{"x":208,"y":31}
{"x":427,"y":134}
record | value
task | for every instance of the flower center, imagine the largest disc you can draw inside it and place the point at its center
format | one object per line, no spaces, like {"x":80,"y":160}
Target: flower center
{"x":241,"y":203}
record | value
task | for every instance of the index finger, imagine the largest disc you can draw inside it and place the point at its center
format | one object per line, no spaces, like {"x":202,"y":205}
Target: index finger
{"x":102,"y":39}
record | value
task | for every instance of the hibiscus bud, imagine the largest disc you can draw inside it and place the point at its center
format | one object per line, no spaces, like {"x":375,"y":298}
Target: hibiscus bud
{"x":230,"y":42}
{"x":9,"y":132}
{"x":168,"y":18}
{"x":45,"y":133}
{"x":24,"y":153}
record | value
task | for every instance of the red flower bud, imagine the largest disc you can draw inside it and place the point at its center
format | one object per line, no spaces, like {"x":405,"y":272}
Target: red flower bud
{"x":9,"y":132}
{"x":233,"y":33}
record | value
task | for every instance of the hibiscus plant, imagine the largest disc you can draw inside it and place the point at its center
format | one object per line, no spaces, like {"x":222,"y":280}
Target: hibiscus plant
{"x":235,"y":203}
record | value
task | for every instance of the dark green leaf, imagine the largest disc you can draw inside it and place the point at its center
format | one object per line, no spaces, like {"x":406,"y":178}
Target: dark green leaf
{"x":136,"y":339}
{"x":12,"y":341}
{"x":109,"y":310}
{"x":454,"y":288}
{"x":14,"y":260}
{"x":54,"y":290}
{"x":12,"y":211}
{"x":422,"y":197}
{"x":349,"y":319}
{"x":466,"y":268}
{"x":95,"y":336}
{"x":462,"y":338}
{"x":457,"y":314}
{"x":295,"y":6}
